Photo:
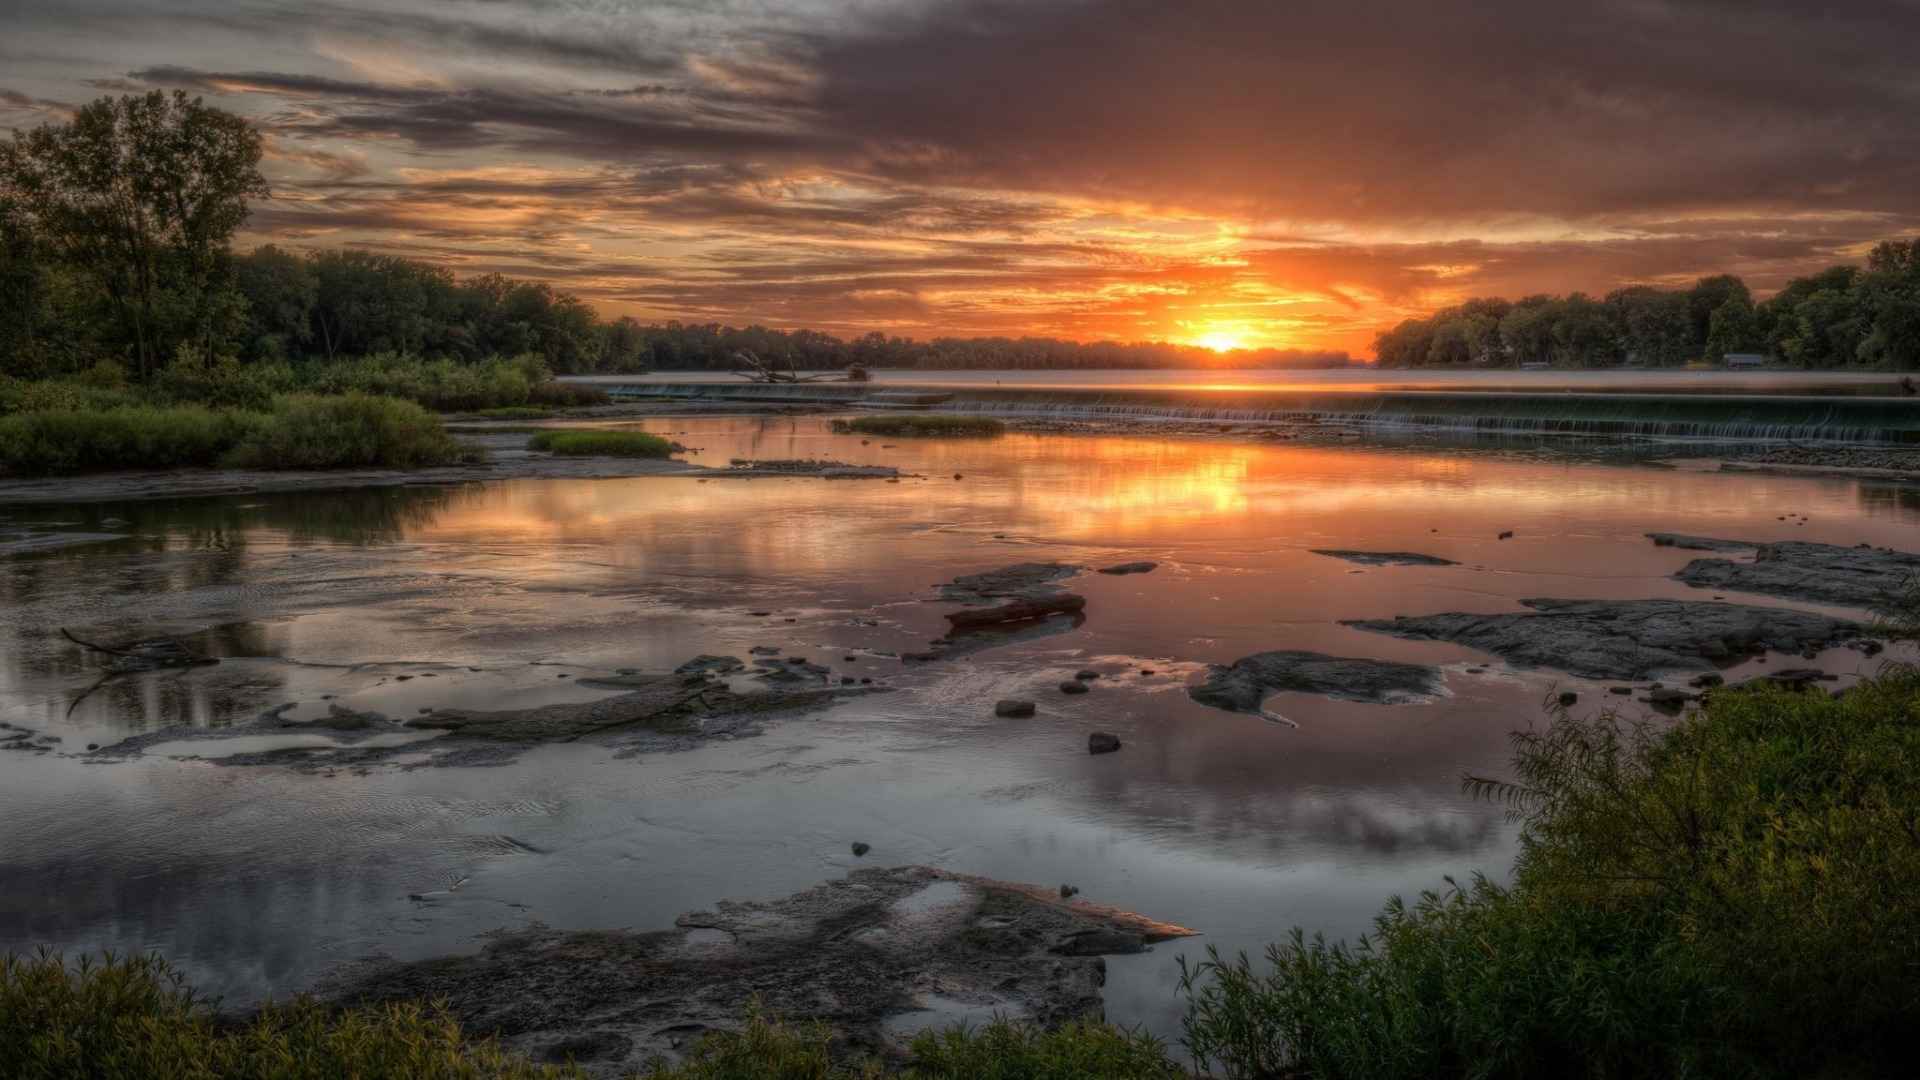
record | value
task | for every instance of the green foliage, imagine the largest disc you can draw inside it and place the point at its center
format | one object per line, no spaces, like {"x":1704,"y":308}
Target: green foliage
{"x":602,"y":444}
{"x":141,"y":194}
{"x":135,"y":1019}
{"x":1738,"y":895}
{"x":297,"y":432}
{"x":1012,"y":1051}
{"x":67,"y":440}
{"x":921,"y":425}
{"x":515,"y":412}
{"x":307,"y":431}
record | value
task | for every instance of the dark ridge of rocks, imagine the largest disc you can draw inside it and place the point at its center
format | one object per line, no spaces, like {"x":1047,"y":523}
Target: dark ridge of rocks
{"x":1025,"y":609}
{"x":1863,"y":577}
{"x":706,"y":662}
{"x":850,"y":954}
{"x":1385,"y":558}
{"x":1248,"y":681}
{"x":1623,"y":639}
{"x":1142,"y":567}
{"x":1698,"y":543}
{"x":1019,"y":581}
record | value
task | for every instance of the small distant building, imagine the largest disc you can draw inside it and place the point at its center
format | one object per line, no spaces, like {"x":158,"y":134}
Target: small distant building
{"x":1737,"y":360}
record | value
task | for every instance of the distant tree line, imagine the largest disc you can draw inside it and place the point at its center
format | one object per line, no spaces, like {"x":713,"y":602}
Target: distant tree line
{"x":1842,"y":317}
{"x":115,"y":245}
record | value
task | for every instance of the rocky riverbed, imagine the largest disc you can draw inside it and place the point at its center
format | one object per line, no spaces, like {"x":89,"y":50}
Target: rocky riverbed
{"x":874,"y":956}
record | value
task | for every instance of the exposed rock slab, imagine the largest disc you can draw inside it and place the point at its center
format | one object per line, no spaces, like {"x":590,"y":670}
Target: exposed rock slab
{"x":1021,"y":580}
{"x":1248,"y":681}
{"x":1385,"y":558}
{"x":1142,"y":567}
{"x":1864,"y":577}
{"x":1023,"y":609}
{"x":1623,"y":639}
{"x":849,"y":954}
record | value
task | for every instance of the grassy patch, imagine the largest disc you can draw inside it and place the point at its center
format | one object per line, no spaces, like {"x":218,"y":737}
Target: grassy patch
{"x":137,"y":1018}
{"x":135,"y":437}
{"x":1738,"y":895}
{"x":128,"y":1018}
{"x":296,"y":432}
{"x":602,"y":444}
{"x":349,"y":431}
{"x":921,"y":426}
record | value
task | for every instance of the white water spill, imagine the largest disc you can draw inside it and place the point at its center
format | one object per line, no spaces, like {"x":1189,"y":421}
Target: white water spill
{"x":257,"y":879}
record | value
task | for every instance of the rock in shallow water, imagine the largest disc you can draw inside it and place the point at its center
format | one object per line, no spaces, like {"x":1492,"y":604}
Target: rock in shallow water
{"x":1248,"y":681}
{"x":1101,"y":742}
{"x":1385,"y":558}
{"x":1130,"y":568}
{"x":1623,"y":639}
{"x":1863,"y":577}
{"x":1013,"y":707}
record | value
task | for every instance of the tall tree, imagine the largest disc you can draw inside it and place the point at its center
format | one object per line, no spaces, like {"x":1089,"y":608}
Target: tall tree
{"x":143,"y":193}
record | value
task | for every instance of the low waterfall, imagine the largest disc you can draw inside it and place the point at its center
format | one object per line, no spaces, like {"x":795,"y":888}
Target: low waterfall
{"x":1729,"y":417}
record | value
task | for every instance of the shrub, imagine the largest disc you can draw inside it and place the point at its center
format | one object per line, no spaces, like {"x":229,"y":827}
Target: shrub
{"x":349,"y":431}
{"x":223,"y":384}
{"x":602,"y":444}
{"x":129,"y":1019}
{"x":921,"y":425}
{"x":1738,"y":895}
{"x":129,"y":437}
{"x":564,"y":395}
{"x":26,"y":396}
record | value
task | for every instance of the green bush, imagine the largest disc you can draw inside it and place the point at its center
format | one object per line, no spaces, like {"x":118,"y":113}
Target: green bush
{"x":128,"y":437}
{"x":49,"y":395}
{"x":564,"y":395}
{"x":921,"y":425}
{"x":602,"y":444}
{"x":300,"y":432}
{"x":224,"y":384}
{"x":1738,"y":895}
{"x":348,"y":431}
{"x":135,"y":1019}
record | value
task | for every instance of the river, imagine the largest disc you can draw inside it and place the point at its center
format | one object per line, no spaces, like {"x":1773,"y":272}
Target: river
{"x":257,"y":879}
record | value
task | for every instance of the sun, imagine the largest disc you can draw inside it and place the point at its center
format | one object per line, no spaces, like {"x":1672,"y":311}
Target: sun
{"x":1221,"y":340}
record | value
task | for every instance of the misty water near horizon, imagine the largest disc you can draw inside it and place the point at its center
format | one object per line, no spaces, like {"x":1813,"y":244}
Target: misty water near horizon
{"x":1357,"y":379}
{"x":257,"y":879}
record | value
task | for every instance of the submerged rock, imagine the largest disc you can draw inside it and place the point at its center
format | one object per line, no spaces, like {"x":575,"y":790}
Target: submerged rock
{"x":1243,"y":685}
{"x":1864,"y":577}
{"x":1073,"y":686}
{"x":1101,"y":742}
{"x":709,"y":663}
{"x":1131,"y":568}
{"x":850,"y":954}
{"x":1698,"y":543}
{"x":1623,"y":639}
{"x":1014,"y":707}
{"x":1385,"y":558}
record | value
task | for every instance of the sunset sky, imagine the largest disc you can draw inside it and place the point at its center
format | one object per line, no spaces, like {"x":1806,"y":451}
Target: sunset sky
{"x":1227,"y":173}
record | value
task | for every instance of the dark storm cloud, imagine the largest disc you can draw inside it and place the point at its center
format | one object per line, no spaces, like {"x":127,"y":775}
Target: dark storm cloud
{"x":1403,"y":110}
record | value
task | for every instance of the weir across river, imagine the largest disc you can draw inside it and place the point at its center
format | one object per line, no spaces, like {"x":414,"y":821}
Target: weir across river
{"x":1742,"y":417}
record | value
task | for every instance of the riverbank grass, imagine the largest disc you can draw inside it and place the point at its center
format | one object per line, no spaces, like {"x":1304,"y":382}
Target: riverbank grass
{"x":921,"y":426}
{"x":300,"y":431}
{"x":1738,"y":895}
{"x":632,"y":444}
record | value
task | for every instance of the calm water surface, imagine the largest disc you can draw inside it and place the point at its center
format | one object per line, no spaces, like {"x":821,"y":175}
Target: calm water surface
{"x":257,"y":879}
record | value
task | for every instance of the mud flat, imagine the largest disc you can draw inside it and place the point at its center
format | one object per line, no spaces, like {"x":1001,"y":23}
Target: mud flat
{"x":874,"y":956}
{"x":1624,"y":639}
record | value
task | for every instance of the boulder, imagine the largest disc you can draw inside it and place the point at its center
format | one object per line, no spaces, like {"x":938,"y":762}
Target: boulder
{"x":1102,"y":743}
